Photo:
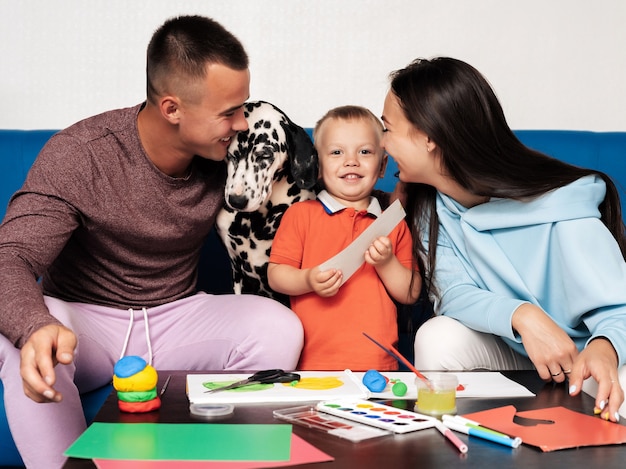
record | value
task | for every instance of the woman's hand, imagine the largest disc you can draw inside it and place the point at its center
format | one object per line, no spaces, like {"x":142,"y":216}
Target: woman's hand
{"x":599,"y":360}
{"x":550,"y":349}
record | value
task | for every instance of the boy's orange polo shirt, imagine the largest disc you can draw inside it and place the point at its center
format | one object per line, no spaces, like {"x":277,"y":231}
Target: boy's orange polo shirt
{"x":311,"y":233}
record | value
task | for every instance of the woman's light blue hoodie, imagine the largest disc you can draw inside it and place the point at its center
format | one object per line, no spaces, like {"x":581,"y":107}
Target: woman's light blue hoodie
{"x":552,"y":251}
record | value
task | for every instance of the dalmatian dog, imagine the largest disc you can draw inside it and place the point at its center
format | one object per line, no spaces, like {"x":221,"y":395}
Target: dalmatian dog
{"x":270,"y":166}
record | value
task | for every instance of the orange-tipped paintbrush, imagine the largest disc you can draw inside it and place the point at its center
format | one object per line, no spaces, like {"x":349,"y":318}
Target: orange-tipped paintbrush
{"x":398,"y":356}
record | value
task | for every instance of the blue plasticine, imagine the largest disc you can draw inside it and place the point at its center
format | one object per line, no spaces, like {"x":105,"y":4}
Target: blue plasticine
{"x":374,"y":381}
{"x":128,"y":366}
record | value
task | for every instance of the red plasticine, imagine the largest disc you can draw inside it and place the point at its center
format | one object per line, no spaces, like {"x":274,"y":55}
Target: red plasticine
{"x":140,"y":407}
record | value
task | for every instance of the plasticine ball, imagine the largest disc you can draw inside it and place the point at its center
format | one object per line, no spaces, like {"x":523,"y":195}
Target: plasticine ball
{"x":374,"y":381}
{"x":399,"y":389}
{"x":128,"y":366}
{"x":145,"y":380}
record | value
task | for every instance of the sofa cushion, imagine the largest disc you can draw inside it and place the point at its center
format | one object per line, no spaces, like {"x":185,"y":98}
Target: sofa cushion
{"x":18,"y":150}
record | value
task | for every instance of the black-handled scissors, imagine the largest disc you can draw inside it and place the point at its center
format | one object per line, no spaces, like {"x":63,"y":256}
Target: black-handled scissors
{"x":261,"y":377}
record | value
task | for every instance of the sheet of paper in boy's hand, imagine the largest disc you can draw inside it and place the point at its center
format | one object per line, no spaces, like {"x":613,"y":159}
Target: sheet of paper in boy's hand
{"x":351,"y":258}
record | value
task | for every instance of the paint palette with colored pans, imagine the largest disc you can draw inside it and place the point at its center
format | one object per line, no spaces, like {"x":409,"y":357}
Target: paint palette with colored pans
{"x":378,"y":415}
{"x":309,"y":416}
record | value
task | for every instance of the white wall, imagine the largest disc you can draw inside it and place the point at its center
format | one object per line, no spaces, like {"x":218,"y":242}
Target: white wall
{"x":555,"y":64}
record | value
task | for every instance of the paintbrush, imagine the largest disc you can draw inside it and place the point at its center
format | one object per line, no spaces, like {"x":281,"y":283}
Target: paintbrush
{"x":398,"y":356}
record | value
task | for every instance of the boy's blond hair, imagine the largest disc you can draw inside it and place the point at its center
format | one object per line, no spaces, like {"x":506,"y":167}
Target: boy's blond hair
{"x":346,"y":113}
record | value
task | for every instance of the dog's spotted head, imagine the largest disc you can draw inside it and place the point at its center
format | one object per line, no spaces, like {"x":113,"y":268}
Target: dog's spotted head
{"x":273,"y":147}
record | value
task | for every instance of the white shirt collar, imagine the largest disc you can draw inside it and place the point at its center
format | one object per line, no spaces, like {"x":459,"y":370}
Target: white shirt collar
{"x":332,"y":205}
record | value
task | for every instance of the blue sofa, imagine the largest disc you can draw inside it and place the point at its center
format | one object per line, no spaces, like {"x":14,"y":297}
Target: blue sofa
{"x":605,"y":151}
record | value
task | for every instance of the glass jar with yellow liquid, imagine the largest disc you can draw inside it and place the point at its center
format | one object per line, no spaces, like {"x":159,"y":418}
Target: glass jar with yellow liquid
{"x":438,"y":396}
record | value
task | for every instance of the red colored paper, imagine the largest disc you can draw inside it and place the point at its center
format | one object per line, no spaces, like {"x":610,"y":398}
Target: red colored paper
{"x":569,"y":429}
{"x":301,"y":453}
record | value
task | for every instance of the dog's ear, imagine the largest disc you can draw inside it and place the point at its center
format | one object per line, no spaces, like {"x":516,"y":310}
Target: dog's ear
{"x":304,"y":161}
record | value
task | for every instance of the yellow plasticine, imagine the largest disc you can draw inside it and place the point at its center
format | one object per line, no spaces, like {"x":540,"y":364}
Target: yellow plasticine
{"x":145,"y":380}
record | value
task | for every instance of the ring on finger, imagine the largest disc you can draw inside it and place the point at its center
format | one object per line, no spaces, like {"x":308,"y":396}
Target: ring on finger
{"x":557,"y":374}
{"x":567,"y":371}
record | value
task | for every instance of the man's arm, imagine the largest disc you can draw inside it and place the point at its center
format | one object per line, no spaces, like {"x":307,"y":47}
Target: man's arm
{"x":37,"y":226}
{"x":38,"y":223}
{"x":24,"y":317}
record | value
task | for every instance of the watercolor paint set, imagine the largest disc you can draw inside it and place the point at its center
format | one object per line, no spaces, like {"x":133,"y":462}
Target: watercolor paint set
{"x":309,"y":416}
{"x":377,"y":415}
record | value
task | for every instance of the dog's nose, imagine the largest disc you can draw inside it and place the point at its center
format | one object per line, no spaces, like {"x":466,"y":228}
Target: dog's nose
{"x":237,"y":201}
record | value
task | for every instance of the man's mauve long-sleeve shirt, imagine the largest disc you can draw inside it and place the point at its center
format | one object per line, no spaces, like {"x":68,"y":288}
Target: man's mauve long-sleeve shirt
{"x":100,"y":224}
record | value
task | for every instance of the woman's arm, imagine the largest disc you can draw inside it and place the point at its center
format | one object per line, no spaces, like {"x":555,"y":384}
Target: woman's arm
{"x":460,"y":297}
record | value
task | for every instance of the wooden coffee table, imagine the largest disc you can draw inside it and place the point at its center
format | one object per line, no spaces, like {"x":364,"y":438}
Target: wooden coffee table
{"x":423,"y":449}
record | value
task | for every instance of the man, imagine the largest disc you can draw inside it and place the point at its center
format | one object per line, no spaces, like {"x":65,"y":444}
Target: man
{"x":112,"y":217}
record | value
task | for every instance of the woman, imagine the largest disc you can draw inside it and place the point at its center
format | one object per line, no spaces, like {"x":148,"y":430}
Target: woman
{"x":529,"y":268}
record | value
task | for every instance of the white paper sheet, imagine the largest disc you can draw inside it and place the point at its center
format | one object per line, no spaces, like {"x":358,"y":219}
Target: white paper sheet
{"x":351,"y":388}
{"x":352,"y":257}
{"x":475,"y":384}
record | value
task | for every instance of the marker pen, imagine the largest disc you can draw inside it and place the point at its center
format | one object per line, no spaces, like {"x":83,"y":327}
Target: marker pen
{"x":472,"y":423}
{"x":477,"y":432}
{"x":445,"y":431}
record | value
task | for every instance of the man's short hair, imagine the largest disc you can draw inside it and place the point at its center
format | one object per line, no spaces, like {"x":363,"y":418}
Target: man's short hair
{"x":180,"y":50}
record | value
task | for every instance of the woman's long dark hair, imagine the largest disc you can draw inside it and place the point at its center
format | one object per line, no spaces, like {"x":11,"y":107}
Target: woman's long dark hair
{"x":454,"y":105}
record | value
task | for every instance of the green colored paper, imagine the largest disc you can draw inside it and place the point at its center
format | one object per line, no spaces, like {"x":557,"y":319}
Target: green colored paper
{"x":183,"y":442}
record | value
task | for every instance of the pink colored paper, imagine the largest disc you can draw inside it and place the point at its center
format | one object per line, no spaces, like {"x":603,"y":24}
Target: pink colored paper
{"x":301,"y":453}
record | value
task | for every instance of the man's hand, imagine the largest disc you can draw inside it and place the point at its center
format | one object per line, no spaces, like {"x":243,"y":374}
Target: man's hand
{"x":42,"y":351}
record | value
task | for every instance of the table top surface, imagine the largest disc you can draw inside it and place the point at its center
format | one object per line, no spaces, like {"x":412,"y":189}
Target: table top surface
{"x":424,"y":448}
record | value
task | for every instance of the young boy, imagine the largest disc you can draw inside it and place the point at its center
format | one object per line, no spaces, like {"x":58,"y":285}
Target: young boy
{"x":351,"y":158}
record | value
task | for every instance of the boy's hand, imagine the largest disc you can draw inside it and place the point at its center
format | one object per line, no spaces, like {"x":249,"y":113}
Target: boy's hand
{"x":379,"y":252}
{"x":325,"y":283}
